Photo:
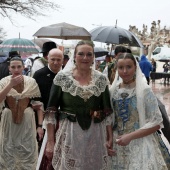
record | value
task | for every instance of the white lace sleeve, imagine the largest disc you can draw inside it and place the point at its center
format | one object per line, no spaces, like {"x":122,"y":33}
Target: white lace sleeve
{"x":153,"y":116}
{"x":50,"y":116}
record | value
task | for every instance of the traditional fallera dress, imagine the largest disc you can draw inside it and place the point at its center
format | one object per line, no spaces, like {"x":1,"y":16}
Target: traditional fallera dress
{"x":84,"y":113}
{"x":147,"y":153}
{"x":18,"y":145}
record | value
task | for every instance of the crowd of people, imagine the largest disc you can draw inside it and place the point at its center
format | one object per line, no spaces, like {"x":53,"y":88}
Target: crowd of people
{"x":88,"y":119}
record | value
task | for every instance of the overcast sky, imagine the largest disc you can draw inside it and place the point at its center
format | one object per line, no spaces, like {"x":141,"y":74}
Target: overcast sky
{"x":91,"y":13}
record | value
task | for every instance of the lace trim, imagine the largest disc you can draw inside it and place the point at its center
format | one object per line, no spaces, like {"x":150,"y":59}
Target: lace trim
{"x":50,"y":115}
{"x":31,"y":89}
{"x":68,"y":84}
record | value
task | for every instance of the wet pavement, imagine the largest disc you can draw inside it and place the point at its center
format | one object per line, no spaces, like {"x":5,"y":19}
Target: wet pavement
{"x":162,"y":91}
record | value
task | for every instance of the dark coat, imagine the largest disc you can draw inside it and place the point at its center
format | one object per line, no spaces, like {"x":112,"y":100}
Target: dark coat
{"x":4,"y":70}
{"x":44,"y":78}
{"x":166,"y":122}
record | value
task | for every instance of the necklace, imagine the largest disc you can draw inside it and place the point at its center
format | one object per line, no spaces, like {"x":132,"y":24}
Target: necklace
{"x":129,"y":81}
{"x":128,"y":85}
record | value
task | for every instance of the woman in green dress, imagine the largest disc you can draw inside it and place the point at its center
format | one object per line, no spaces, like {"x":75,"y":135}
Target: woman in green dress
{"x":80,"y":99}
{"x":137,"y":119}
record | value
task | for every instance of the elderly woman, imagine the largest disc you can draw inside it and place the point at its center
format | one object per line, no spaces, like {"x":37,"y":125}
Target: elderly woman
{"x":84,"y":137}
{"x":18,"y":145}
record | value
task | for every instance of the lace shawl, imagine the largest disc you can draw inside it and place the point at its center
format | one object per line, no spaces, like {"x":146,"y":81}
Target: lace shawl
{"x":68,"y":84}
{"x":31,"y":89}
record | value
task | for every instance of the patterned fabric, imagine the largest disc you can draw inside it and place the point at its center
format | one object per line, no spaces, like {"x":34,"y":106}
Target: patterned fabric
{"x":141,"y":153}
{"x":76,"y":148}
{"x":18,"y":144}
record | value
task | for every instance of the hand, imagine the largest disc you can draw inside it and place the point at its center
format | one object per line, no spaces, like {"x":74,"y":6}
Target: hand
{"x":36,"y":107}
{"x":123,"y":140}
{"x":49,"y":149}
{"x":109,"y":146}
{"x":40,"y":132}
{"x":16,"y":80}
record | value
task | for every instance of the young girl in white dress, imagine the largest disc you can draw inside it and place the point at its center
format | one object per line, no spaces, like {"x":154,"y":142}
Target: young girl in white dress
{"x":137,"y":119}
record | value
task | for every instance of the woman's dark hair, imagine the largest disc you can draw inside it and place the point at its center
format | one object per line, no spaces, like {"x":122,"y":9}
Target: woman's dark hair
{"x":84,"y":42}
{"x":16,"y":59}
{"x":127,"y":56}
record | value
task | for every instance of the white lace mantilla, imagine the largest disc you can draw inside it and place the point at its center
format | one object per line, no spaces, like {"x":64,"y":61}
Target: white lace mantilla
{"x":68,"y":84}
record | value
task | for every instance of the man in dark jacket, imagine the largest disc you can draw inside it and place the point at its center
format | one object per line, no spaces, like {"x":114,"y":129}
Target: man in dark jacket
{"x":44,"y":77}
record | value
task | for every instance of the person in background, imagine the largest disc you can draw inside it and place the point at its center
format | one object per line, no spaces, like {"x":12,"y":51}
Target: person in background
{"x":153,"y":65}
{"x":105,"y":63}
{"x":137,"y":119}
{"x":82,"y":95}
{"x":42,"y":62}
{"x":166,"y":67}
{"x":18,"y":94}
{"x":145,"y":66}
{"x":110,"y":70}
{"x":4,"y":70}
{"x":66,"y":58}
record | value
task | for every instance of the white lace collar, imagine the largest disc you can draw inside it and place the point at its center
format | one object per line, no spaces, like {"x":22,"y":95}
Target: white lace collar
{"x":68,"y":84}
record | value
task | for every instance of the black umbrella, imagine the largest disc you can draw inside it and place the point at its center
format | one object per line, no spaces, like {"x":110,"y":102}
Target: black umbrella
{"x":115,"y":35}
{"x":164,"y":60}
{"x":99,"y":51}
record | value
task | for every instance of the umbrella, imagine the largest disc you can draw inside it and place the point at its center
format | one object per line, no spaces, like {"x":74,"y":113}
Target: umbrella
{"x":115,"y":35}
{"x":20,"y":45}
{"x":99,"y":51}
{"x":164,"y":60}
{"x":63,"y":31}
{"x":40,"y":41}
{"x":102,"y":58}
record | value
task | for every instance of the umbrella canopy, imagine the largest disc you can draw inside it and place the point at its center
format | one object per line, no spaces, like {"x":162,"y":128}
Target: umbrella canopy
{"x":20,"y":45}
{"x":63,"y":31}
{"x":115,"y":35}
{"x":102,"y":58}
{"x":164,"y":60}
{"x":99,"y":51}
{"x":40,"y":41}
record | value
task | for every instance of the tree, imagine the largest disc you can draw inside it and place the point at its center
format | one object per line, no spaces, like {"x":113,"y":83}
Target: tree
{"x":2,"y":34}
{"x":156,"y":36}
{"x":27,"y":8}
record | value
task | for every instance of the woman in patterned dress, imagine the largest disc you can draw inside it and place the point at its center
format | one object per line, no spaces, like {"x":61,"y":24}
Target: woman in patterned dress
{"x":137,"y":119}
{"x":83,"y":140}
